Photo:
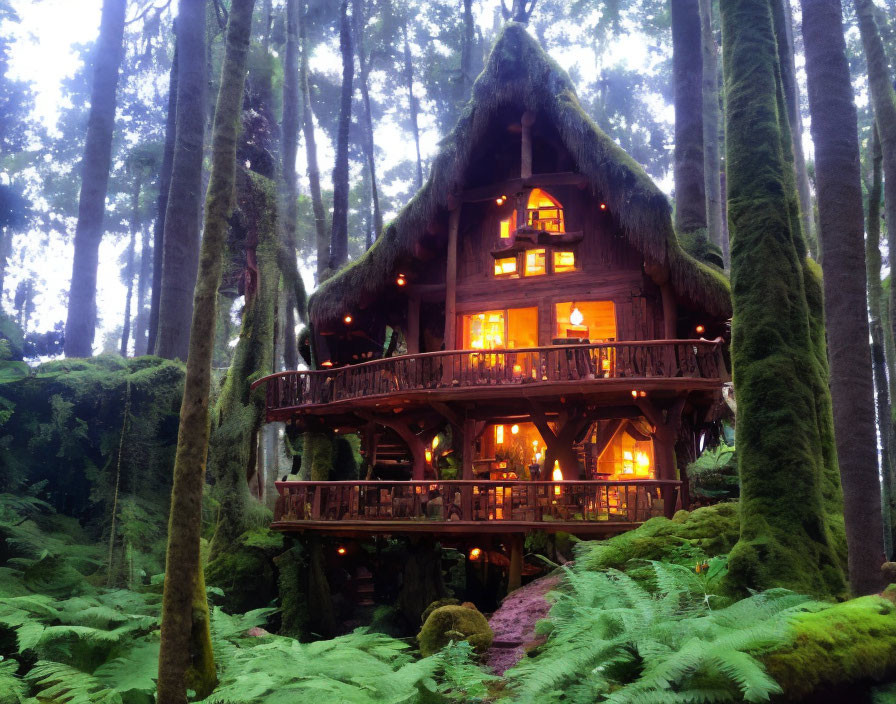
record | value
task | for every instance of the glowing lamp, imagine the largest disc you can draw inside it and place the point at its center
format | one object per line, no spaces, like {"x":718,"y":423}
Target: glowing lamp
{"x":557,"y":476}
{"x":435,"y":442}
{"x":499,"y":434}
{"x":576,"y":317}
{"x":517,"y":369}
{"x":642,"y":394}
{"x":514,"y":429}
{"x":347,"y":320}
{"x":498,"y":201}
{"x":340,"y":550}
{"x":700,"y":329}
{"x":475,"y":554}
{"x":428,"y":455}
{"x":401,"y":281}
{"x":634,"y":393}
{"x":328,"y":363}
{"x":603,"y":206}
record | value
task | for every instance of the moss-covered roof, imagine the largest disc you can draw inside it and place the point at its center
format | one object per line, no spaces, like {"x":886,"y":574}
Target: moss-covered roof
{"x":519,"y":72}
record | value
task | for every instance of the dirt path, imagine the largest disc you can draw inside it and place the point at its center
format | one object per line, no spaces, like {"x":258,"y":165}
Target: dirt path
{"x":514,"y":622}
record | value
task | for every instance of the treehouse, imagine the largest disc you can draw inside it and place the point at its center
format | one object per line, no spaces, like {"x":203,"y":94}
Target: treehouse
{"x":526,"y":347}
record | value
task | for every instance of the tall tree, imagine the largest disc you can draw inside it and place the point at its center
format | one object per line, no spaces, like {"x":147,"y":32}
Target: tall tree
{"x":408,"y":73}
{"x":80,"y":323}
{"x":339,"y":229}
{"x":712,"y":161}
{"x":186,"y":660}
{"x":180,"y":246}
{"x":359,"y":21}
{"x":842,"y":239}
{"x":788,"y":490}
{"x":144,"y":276}
{"x":687,"y":74}
{"x":883,"y":101}
{"x":290,"y":132}
{"x":317,"y":202}
{"x":158,"y":240}
{"x":134,"y":227}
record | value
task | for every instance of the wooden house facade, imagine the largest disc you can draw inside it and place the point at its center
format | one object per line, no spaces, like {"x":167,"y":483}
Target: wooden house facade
{"x":526,"y":346}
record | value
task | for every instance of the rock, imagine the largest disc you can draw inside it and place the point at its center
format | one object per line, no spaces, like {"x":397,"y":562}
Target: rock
{"x":454,"y":623}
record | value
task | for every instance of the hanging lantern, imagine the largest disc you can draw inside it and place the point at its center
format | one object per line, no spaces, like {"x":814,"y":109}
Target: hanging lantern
{"x":603,"y":206}
{"x":401,"y":281}
{"x":700,"y":329}
{"x":348,"y":319}
{"x":475,"y":554}
{"x":514,"y":429}
{"x":576,"y":317}
{"x":340,"y":550}
{"x":435,"y":442}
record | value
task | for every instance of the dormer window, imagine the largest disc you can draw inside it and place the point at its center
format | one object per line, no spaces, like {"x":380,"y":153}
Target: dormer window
{"x":543,"y":212}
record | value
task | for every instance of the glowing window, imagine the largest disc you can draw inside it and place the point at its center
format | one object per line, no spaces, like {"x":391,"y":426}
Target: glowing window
{"x":564,"y":261}
{"x":595,"y":320}
{"x":543,"y":212}
{"x":535,"y":262}
{"x":499,"y":329}
{"x":626,"y":456}
{"x":505,"y":267}
{"x":508,"y":225}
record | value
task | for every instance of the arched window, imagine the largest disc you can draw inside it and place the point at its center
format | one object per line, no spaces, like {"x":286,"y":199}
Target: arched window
{"x":543,"y":212}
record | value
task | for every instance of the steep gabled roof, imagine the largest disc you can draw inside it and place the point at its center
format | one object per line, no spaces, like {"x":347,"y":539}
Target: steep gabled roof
{"x":519,"y":72}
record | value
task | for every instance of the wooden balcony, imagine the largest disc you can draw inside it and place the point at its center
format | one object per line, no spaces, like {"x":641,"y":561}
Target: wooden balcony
{"x":471,"y":507}
{"x":674,"y":364}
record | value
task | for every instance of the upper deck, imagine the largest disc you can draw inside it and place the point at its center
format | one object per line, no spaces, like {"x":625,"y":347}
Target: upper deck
{"x":611,"y":369}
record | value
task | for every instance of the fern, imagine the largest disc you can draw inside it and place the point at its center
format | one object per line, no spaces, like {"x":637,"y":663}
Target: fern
{"x":62,"y":684}
{"x":12,"y":689}
{"x":613,"y":640}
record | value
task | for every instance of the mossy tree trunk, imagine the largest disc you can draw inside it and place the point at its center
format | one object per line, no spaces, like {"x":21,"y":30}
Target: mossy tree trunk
{"x":788,"y":491}
{"x":339,"y":229}
{"x":317,"y":202}
{"x":185,"y":658}
{"x":842,"y":237}
{"x":687,"y":73}
{"x":712,"y":162}
{"x":239,"y":412}
{"x":878,"y":351}
{"x":180,"y":240}
{"x":80,"y":324}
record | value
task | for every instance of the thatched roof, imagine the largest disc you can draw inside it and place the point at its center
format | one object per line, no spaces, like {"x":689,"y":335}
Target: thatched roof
{"x":519,"y":72}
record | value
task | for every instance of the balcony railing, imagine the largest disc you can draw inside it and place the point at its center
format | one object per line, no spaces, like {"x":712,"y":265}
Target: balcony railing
{"x":664,"y":359}
{"x":471,"y":501}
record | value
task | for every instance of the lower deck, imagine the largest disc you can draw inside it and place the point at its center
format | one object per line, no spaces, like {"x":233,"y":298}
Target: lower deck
{"x":457,"y":508}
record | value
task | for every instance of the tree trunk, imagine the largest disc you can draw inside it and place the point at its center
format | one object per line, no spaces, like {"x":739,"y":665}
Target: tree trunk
{"x":158,"y":238}
{"x":186,"y":659}
{"x":142,"y":284}
{"x":80,"y":324}
{"x":317,"y":201}
{"x":788,"y":495}
{"x":290,"y":131}
{"x":795,"y":118}
{"x":883,"y":100}
{"x":339,"y":230}
{"x":466,"y":56}
{"x":182,"y":216}
{"x":412,"y":103}
{"x":359,"y":21}
{"x":712,"y":162}
{"x":129,"y":267}
{"x":687,"y":70}
{"x":842,"y":238}
{"x":878,"y":351}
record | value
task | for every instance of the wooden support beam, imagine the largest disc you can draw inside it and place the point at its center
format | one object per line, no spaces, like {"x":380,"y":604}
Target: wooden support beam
{"x":670,"y":311}
{"x":451,"y":280}
{"x":414,"y":442}
{"x":515,"y":571}
{"x":448,"y":414}
{"x":413,"y":331}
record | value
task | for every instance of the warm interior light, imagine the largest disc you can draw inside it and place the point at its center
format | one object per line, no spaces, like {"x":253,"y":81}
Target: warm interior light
{"x":328,"y":363}
{"x":435,"y":442}
{"x":499,"y":434}
{"x":514,"y":429}
{"x":557,"y":476}
{"x":603,"y":206}
{"x":564,"y":261}
{"x":340,"y":550}
{"x":498,"y":201}
{"x":475,"y":553}
{"x":634,"y":393}
{"x":700,"y":329}
{"x":401,"y":281}
{"x":428,"y":455}
{"x":347,"y":319}
{"x":505,"y":266}
{"x":576,"y":317}
{"x":642,"y":394}
{"x":535,"y":262}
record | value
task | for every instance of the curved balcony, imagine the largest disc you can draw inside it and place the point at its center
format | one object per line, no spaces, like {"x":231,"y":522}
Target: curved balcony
{"x":471,"y":507}
{"x":621,"y":365}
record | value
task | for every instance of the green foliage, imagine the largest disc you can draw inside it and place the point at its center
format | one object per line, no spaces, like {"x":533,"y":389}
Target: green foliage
{"x":451,"y":623}
{"x":246,"y":571}
{"x":714,"y":474}
{"x":611,"y":639}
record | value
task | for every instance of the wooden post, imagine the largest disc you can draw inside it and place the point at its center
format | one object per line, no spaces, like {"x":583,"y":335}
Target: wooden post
{"x":526,"y":145}
{"x":468,"y":439}
{"x":413,"y":331}
{"x":451,"y":281}
{"x":670,"y":312}
{"x":515,"y":571}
